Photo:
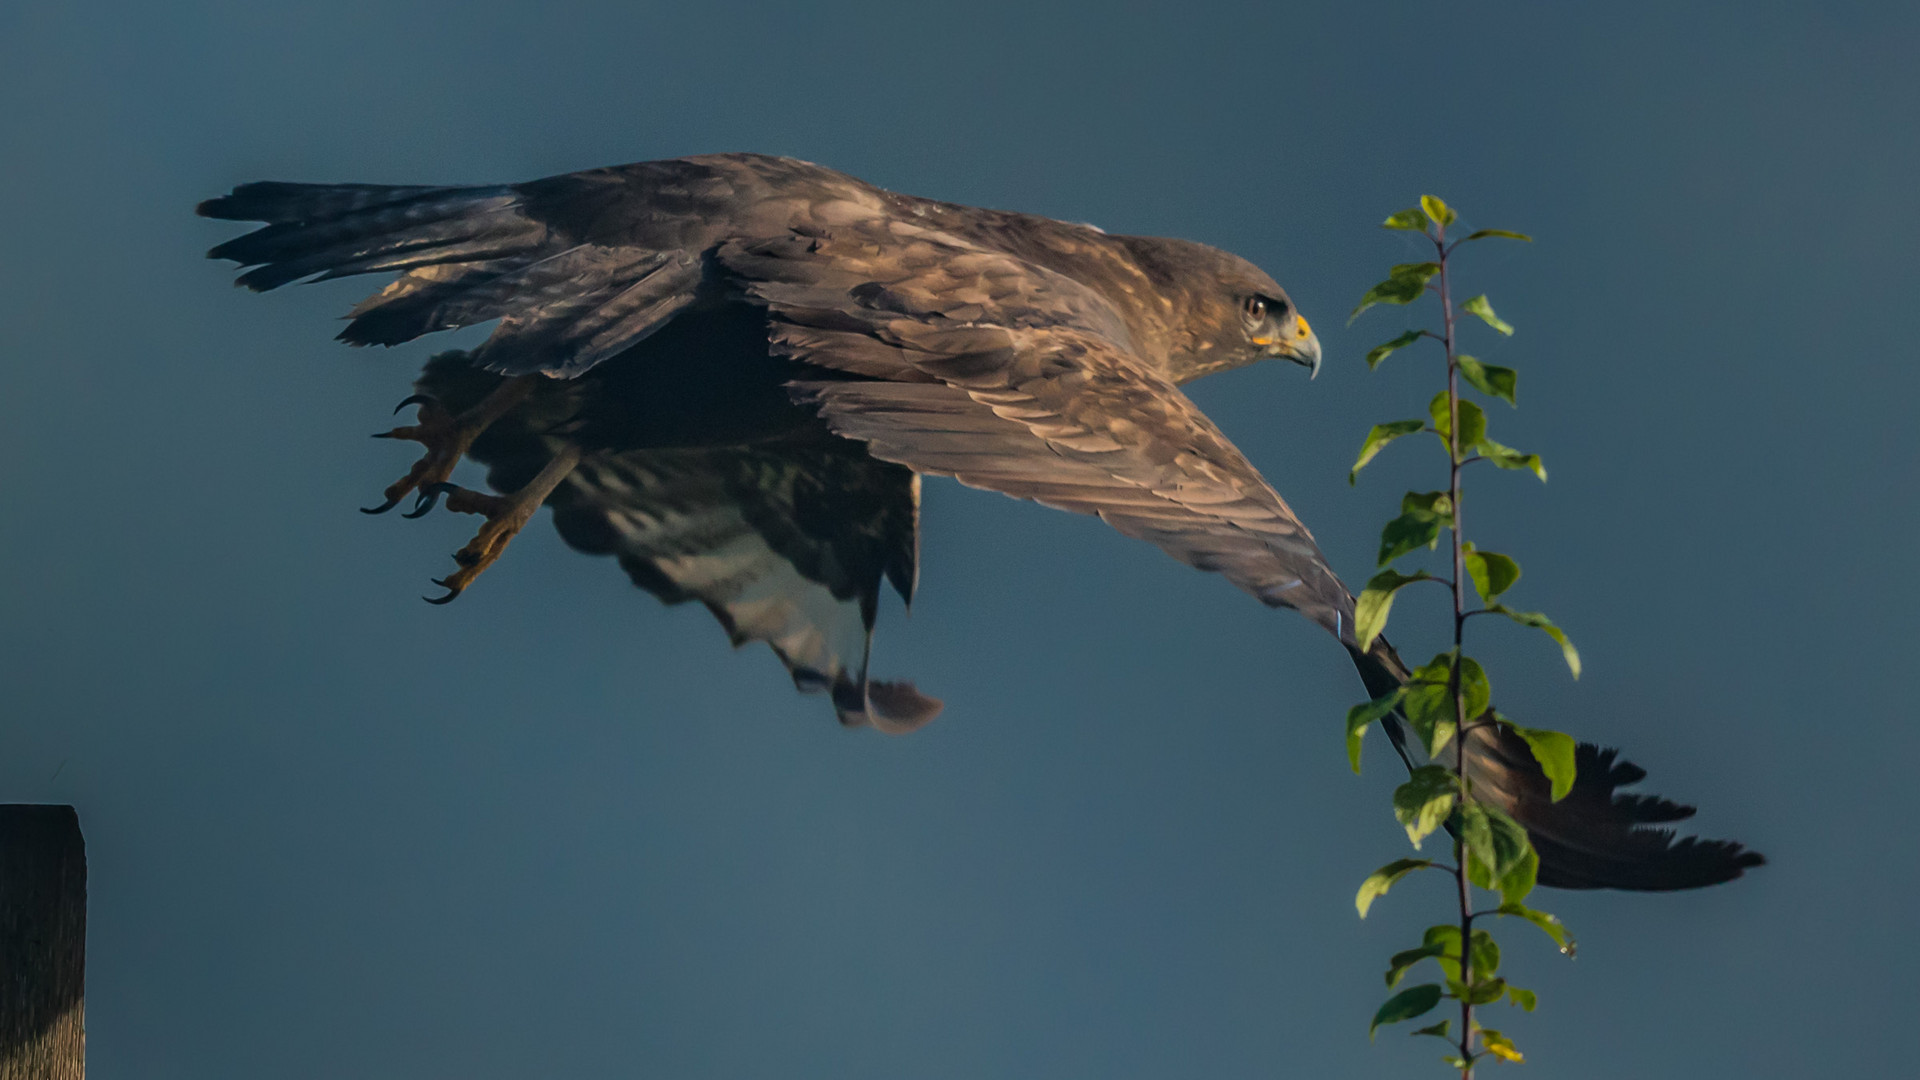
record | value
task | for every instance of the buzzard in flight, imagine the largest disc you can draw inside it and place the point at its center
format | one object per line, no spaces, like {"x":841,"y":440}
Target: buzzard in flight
{"x":730,"y":372}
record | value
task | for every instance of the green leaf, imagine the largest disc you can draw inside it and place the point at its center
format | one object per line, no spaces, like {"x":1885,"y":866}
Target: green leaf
{"x":1501,"y":1047}
{"x":1497,"y":848}
{"x":1428,"y":702}
{"x":1554,"y":751}
{"x":1447,"y":938}
{"x":1438,"y":1031}
{"x":1376,"y":603}
{"x":1515,"y":882}
{"x":1412,"y":219}
{"x":1437,"y":503}
{"x":1361,"y":716}
{"x":1476,"y":834}
{"x":1482,"y":234}
{"x":1381,"y":880}
{"x":1381,"y":352}
{"x":1422,"y":804}
{"x":1437,"y":210}
{"x":1405,"y":1005}
{"x":1378,"y":438}
{"x":1405,"y":283}
{"x":1422,"y":515}
{"x":1492,"y":572}
{"x":1506,"y":457}
{"x":1520,"y":880}
{"x":1480,"y":993}
{"x":1490,"y":379}
{"x":1479,"y":306}
{"x":1526,"y":999}
{"x":1474,"y":686}
{"x":1486,"y":955}
{"x":1549,"y":924}
{"x":1473,"y":422}
{"x":1455,"y":1061}
{"x":1403,"y":961}
{"x":1542,"y":623}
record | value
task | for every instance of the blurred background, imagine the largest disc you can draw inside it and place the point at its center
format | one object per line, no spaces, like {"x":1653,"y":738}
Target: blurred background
{"x":558,"y":829}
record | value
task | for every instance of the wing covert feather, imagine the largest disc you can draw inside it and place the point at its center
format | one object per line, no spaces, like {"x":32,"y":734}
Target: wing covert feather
{"x":1007,"y":376}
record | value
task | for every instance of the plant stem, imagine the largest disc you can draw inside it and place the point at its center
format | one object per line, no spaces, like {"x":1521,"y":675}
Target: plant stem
{"x":1455,"y":461}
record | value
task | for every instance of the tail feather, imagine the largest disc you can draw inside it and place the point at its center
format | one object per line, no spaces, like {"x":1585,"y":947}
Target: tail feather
{"x":1597,"y":837}
{"x":894,"y":708}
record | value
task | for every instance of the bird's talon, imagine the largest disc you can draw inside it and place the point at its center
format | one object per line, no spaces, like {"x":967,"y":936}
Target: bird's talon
{"x":391,"y":502}
{"x":506,"y":516}
{"x":446,"y":438}
{"x":428,"y":498}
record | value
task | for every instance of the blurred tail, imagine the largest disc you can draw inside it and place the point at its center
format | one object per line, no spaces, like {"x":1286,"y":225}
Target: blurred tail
{"x":1595,"y":838}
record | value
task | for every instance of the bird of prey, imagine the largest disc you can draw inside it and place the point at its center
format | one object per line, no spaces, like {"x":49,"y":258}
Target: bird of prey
{"x":731,"y":371}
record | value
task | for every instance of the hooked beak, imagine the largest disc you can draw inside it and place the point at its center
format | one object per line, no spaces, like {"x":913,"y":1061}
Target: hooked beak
{"x":1301,"y":347}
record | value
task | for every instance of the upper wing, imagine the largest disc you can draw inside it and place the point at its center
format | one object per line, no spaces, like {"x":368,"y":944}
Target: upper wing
{"x":1010,"y":377}
{"x":577,"y":268}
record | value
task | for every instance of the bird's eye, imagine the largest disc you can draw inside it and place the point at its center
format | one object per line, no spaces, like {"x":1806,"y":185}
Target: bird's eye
{"x":1255,"y":307}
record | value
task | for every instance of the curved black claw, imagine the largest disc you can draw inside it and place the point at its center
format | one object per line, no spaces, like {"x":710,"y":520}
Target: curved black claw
{"x":385,"y":506}
{"x":416,"y":399}
{"x":429,"y":497}
{"x":452,"y":593}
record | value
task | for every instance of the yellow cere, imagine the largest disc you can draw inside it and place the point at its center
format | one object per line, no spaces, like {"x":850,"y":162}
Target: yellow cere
{"x":1303,"y":331}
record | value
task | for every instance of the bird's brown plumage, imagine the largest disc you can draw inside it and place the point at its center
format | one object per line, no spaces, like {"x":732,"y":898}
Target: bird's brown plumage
{"x":755,"y":358}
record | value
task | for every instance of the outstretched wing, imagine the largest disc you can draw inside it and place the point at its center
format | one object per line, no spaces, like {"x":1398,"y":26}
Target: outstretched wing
{"x":786,"y":542}
{"x":577,"y":267}
{"x":975,"y":364}
{"x":1011,"y":378}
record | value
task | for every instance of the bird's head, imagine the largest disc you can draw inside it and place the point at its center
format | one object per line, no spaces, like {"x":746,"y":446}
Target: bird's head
{"x":1234,"y":314}
{"x":1277,"y":330}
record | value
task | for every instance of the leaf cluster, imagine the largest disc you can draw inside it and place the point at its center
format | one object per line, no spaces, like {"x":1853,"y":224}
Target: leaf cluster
{"x":1448,"y":700}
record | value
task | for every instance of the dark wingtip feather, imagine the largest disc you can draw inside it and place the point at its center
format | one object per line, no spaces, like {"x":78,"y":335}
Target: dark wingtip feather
{"x":1598,"y":836}
{"x":241,"y":204}
{"x":381,"y":326}
{"x":262,"y":200}
{"x":278,"y":201}
{"x":335,"y":230}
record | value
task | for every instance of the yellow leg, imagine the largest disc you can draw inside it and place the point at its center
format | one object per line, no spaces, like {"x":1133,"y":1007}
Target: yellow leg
{"x":446,"y":438}
{"x":505,"y":514}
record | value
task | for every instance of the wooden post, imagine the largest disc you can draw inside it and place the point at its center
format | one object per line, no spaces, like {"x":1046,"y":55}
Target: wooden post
{"x":43,"y":944}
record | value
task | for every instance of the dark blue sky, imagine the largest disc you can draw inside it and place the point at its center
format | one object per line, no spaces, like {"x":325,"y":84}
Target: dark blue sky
{"x":557,"y":829}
